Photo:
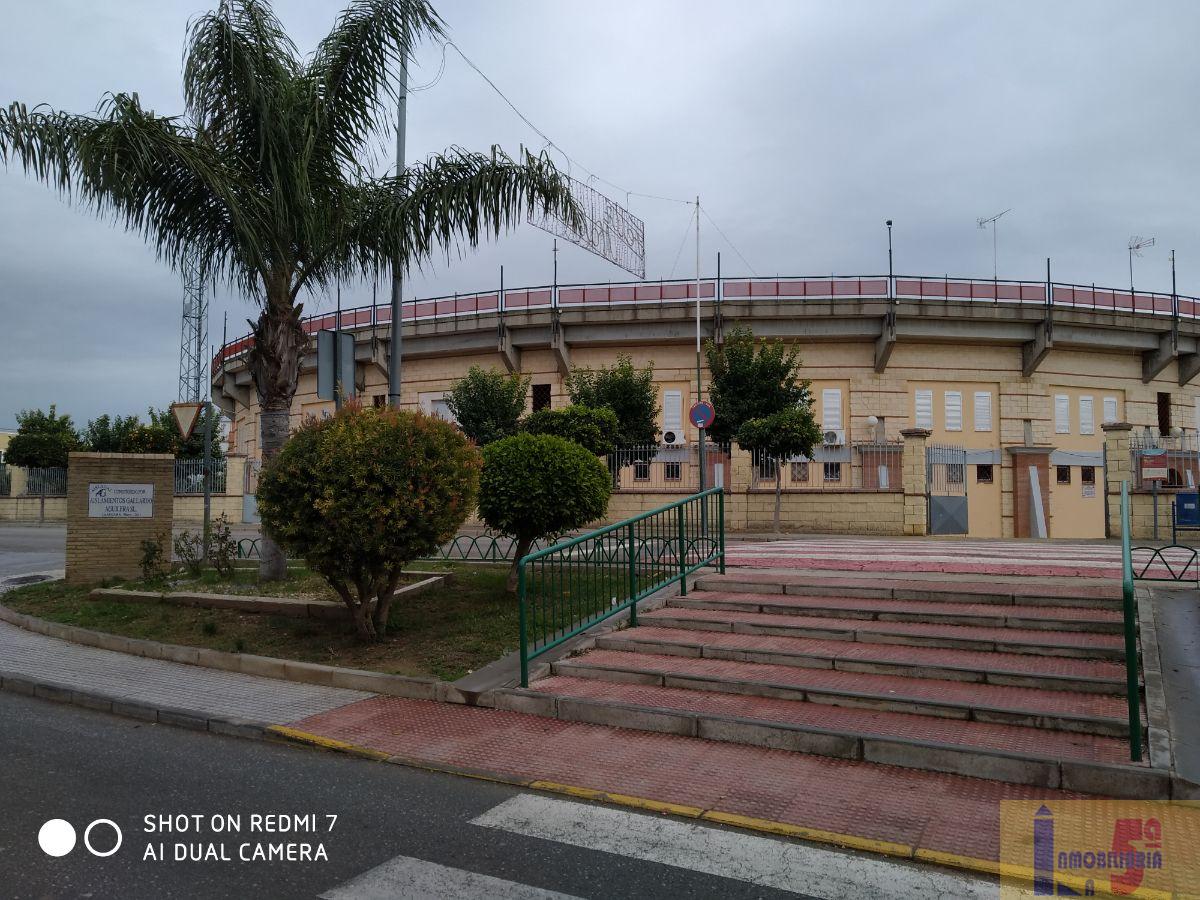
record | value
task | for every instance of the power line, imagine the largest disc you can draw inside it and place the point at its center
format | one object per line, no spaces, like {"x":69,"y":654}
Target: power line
{"x":694,"y":217}
{"x":728,"y":241}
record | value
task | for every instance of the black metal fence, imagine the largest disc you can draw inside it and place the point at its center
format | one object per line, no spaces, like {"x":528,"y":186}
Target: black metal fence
{"x":189,"y":476}
{"x":867,"y":466}
{"x":666,"y":469}
{"x":1178,"y":454}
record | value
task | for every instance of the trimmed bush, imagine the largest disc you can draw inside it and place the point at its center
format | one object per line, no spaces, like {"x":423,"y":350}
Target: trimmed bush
{"x":537,"y":486}
{"x":593,"y":429}
{"x":361,"y":495}
{"x":487,"y":404}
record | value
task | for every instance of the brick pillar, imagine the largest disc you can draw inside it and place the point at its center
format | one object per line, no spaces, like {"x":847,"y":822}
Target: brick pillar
{"x":737,"y":492}
{"x":916,"y":481}
{"x":1118,"y":467}
{"x":114,"y":502}
{"x":235,"y":474}
{"x":19,"y":480}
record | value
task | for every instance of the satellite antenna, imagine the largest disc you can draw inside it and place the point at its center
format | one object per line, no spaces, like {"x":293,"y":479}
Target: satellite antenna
{"x":984,"y":222}
{"x":1137,"y":244}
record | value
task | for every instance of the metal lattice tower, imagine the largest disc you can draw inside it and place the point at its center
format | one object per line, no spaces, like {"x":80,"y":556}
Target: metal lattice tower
{"x":193,"y":338}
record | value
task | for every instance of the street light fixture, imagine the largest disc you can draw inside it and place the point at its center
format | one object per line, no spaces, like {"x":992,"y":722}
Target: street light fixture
{"x":1137,"y":244}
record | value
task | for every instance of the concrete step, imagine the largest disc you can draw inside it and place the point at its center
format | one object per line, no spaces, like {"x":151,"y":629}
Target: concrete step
{"x":1102,"y":621}
{"x":1012,"y":753}
{"x":1056,"y":673}
{"x":1032,"y":593}
{"x":1078,"y":644}
{"x":1055,"y":710}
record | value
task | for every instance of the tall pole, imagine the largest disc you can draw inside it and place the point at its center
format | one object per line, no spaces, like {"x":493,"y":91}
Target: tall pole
{"x":995,"y":264}
{"x":891,"y":276}
{"x":208,"y":427}
{"x":1131,"y":271}
{"x":699,"y":386}
{"x":337,"y":349}
{"x":1174,"y":295}
{"x":395,"y":344}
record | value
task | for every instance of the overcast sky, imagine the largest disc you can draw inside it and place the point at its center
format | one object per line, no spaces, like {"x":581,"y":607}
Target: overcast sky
{"x":801,"y":125}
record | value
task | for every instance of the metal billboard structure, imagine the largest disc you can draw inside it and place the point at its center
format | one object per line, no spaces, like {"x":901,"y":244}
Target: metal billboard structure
{"x":609,"y":230}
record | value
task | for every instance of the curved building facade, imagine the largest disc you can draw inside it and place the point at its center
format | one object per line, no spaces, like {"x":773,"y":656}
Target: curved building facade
{"x":1013,"y":381}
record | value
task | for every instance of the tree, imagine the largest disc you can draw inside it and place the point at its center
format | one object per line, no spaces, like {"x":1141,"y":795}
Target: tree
{"x":163,"y":421}
{"x":43,"y":439}
{"x":108,"y":434}
{"x":627,"y":391}
{"x":783,"y":434}
{"x":362,"y":494}
{"x":537,"y":486}
{"x":264,"y":183}
{"x":752,"y":385}
{"x":488,"y":404}
{"x":593,"y":429}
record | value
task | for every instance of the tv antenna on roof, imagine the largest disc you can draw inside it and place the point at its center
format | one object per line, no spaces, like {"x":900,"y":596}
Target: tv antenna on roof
{"x":984,"y":222}
{"x":1137,"y":244}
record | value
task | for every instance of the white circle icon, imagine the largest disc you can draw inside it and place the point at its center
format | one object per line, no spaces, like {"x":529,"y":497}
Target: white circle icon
{"x":57,"y":837}
{"x":87,"y":834}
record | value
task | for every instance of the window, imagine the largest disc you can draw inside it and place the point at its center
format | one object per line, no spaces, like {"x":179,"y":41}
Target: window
{"x":924,"y":409}
{"x":954,"y":410}
{"x":800,"y":471}
{"x":983,"y":410}
{"x":954,"y":473}
{"x":641,"y":470}
{"x":983,"y":473}
{"x":1062,"y":414}
{"x":1064,"y":474}
{"x":672,"y":471}
{"x":1087,"y":419}
{"x":1164,"y":413}
{"x":541,"y":397}
{"x":766,"y":467}
{"x":1110,"y":409}
{"x":379,"y":401}
{"x":831,"y":409}
{"x":672,"y":415}
{"x":1087,"y":474}
{"x":833,"y":471}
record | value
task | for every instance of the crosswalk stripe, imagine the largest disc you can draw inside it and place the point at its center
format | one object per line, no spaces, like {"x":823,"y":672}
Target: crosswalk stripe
{"x":761,"y":861}
{"x":408,"y":878}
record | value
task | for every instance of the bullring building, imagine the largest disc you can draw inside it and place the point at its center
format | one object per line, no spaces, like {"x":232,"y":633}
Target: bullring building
{"x":1012,"y":381}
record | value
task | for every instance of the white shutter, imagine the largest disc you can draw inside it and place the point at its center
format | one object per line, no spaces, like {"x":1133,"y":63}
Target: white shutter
{"x":1110,"y":409}
{"x":1087,"y":419}
{"x":983,"y":410}
{"x":924,"y":409}
{"x":831,"y":409}
{"x":672,"y":411}
{"x":954,"y":411}
{"x":1062,"y":414}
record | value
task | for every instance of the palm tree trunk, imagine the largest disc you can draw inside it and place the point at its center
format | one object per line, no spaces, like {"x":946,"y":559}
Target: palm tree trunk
{"x":279,"y":343}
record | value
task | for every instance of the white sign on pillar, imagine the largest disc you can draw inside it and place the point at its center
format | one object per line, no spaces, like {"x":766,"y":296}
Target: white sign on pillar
{"x":120,"y":501}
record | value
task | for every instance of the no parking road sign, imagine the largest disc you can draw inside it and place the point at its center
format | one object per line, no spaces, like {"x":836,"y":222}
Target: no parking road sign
{"x":702,"y":414}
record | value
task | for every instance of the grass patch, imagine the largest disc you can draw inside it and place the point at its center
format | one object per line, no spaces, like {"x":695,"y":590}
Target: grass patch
{"x":300,"y":584}
{"x":446,"y":632}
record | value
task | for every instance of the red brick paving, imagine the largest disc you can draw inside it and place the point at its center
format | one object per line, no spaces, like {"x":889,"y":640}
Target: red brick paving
{"x":1040,"y":742}
{"x":964,"y":693}
{"x":946,"y":813}
{"x":1109,"y":589}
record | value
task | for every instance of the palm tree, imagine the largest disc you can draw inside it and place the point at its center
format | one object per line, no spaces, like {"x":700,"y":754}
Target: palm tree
{"x":264,"y":182}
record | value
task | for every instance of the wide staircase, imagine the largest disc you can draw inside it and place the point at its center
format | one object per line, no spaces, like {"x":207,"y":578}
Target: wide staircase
{"x":1016,"y":683}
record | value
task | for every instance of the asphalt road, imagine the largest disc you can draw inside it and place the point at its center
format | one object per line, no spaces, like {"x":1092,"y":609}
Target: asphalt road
{"x":78,"y":765}
{"x":31,"y":548}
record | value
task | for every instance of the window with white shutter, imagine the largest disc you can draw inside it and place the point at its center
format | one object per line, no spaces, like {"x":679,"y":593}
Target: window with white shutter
{"x":672,"y":411}
{"x":1062,"y":414}
{"x":983,"y":410}
{"x":954,"y":410}
{"x":1110,"y":409}
{"x":1087,"y":419}
{"x":831,"y":409}
{"x":924,"y":409}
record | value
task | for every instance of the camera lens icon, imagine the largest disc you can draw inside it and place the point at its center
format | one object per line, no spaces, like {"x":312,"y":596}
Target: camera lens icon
{"x":57,"y":837}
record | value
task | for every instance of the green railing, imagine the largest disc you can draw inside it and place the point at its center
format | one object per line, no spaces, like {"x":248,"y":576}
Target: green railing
{"x":569,"y":587}
{"x":1132,"y":695}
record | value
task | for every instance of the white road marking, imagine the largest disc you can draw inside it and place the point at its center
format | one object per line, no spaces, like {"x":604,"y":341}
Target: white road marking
{"x":407,"y":878}
{"x":762,"y":861}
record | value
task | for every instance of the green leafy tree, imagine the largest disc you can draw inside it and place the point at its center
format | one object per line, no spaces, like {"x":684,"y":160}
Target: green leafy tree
{"x":108,"y":434}
{"x":163,"y":422}
{"x":750,"y":382}
{"x":627,"y":391}
{"x":264,"y":183}
{"x":362,"y":494}
{"x":43,"y":439}
{"x":488,"y":404}
{"x":537,"y":486}
{"x":783,"y":434}
{"x":593,"y":429}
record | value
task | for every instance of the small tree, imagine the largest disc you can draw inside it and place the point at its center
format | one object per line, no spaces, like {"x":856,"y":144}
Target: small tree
{"x":43,"y":439}
{"x":593,"y":429}
{"x":537,"y":486}
{"x":488,"y":404}
{"x":107,"y":434}
{"x":362,"y":494}
{"x":789,"y":432}
{"x":163,"y":422}
{"x":752,"y":385}
{"x":627,"y":391}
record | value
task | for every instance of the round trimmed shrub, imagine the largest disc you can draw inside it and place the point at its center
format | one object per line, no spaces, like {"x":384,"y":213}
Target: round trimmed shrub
{"x":538,"y":486}
{"x":593,"y":429}
{"x":362,"y":494}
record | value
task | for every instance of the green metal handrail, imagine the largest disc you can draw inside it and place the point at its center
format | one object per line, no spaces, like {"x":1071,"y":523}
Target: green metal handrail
{"x":565,"y":589}
{"x":1132,"y":696}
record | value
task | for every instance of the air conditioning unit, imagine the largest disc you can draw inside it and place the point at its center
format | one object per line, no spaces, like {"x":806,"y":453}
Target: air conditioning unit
{"x":672,"y":438}
{"x":834,"y":437}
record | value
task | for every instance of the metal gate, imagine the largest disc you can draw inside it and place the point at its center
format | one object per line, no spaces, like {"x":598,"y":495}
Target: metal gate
{"x":946,"y":474}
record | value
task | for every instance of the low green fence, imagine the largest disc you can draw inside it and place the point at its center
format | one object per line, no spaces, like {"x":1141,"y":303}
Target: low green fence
{"x":1129,"y":606}
{"x":569,"y":587}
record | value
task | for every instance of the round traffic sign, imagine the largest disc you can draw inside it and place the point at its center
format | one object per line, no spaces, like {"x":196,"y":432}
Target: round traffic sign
{"x":702,"y":414}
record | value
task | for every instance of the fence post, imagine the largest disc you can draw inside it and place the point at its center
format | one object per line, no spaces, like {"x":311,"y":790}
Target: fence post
{"x":521,"y":612}
{"x":632,"y":577}
{"x":916,"y":481}
{"x":679,"y":518}
{"x":1133,"y":701}
{"x":721,"y":527}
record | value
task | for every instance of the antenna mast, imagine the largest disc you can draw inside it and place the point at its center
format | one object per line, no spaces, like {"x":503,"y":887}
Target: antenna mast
{"x":193,"y":337}
{"x":984,"y":222}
